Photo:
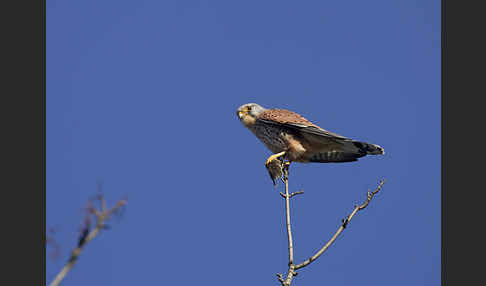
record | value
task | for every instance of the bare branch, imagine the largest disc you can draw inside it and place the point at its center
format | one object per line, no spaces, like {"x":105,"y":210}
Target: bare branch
{"x":290,"y":273}
{"x":287,"y":212}
{"x":100,"y":196}
{"x":87,"y":235}
{"x":116,"y":208}
{"x":345,"y":221}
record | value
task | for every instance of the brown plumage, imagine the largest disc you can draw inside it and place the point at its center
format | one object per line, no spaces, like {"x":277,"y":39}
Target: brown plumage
{"x":284,"y":116}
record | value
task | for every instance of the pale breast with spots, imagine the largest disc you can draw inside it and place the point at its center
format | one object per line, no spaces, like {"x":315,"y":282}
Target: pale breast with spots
{"x":271,"y":136}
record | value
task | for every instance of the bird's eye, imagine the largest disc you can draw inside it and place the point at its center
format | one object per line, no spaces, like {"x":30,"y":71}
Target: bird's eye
{"x":249,"y":108}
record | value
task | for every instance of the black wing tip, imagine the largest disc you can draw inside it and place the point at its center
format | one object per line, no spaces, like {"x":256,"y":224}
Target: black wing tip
{"x":369,"y":149}
{"x":378,"y":150}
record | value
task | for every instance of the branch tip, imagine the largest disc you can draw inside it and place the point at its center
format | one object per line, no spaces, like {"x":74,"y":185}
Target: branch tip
{"x":296,"y":193}
{"x":345,"y":222}
{"x":87,"y":233}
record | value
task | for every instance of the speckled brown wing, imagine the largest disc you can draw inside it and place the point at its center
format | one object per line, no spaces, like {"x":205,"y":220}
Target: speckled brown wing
{"x":292,"y":120}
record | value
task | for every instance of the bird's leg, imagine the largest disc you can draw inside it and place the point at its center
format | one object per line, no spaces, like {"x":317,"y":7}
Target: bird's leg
{"x":275,"y":165}
{"x":285,"y":171}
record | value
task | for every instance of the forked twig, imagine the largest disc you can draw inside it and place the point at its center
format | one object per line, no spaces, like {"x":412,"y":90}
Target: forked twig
{"x":291,"y":194}
{"x":345,"y":222}
{"x":291,"y":273}
{"x":87,"y":235}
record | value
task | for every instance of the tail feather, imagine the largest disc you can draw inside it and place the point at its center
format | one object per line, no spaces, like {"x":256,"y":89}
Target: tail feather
{"x":334,"y":157}
{"x":349,"y":153}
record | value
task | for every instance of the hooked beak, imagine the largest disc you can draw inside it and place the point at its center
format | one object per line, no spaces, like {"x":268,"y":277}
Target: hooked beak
{"x":239,"y":114}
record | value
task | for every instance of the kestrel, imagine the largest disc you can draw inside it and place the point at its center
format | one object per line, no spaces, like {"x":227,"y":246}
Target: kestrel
{"x":290,"y":136}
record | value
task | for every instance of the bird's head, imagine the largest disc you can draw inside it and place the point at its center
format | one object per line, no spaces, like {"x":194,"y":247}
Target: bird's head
{"x":247,"y":113}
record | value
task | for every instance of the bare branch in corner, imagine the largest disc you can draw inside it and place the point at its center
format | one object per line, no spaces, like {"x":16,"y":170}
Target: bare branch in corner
{"x":98,"y":217}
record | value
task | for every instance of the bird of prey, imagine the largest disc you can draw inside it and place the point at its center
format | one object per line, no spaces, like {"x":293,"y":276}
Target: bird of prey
{"x":292,"y":137}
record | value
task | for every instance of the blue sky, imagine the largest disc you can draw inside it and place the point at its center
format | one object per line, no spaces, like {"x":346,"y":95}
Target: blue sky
{"x":142,"y":95}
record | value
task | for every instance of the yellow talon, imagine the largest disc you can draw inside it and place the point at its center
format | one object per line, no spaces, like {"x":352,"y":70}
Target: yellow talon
{"x":273,"y":157}
{"x":275,"y":167}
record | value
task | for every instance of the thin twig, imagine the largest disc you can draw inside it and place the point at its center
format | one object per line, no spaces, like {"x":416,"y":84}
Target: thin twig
{"x":86,"y":236}
{"x":101,"y":198}
{"x":357,"y":208}
{"x":291,"y":194}
{"x":290,"y":273}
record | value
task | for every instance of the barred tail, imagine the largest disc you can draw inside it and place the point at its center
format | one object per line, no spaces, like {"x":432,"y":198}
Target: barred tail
{"x":351,"y":151}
